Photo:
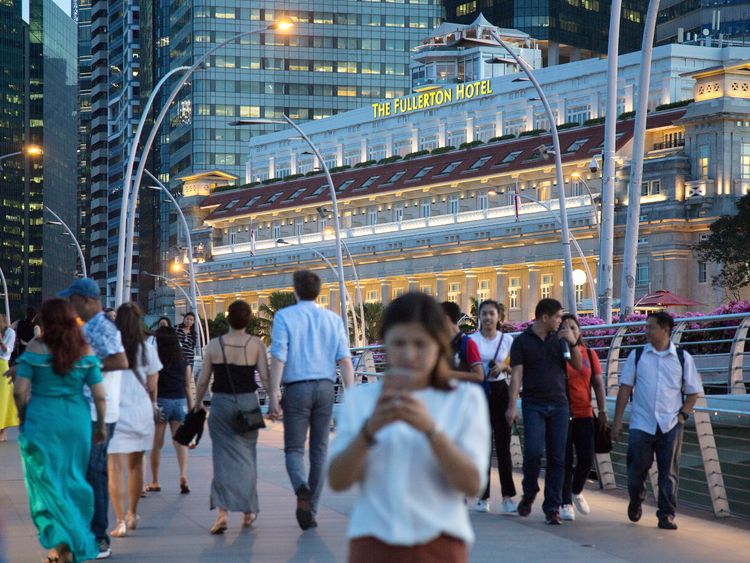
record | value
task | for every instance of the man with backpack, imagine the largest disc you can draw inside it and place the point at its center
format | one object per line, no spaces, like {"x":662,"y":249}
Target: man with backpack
{"x":465,"y":357}
{"x":664,"y":384}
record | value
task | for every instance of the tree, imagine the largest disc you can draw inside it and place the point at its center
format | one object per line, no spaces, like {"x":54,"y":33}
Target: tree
{"x":217,"y":326}
{"x":729,"y":245}
{"x":276,"y":301}
{"x":373,"y":317}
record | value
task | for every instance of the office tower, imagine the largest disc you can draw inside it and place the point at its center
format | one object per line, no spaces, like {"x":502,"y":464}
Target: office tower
{"x":567,"y":30}
{"x":702,"y":21}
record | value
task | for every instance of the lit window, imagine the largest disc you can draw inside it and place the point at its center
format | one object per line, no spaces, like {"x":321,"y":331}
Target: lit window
{"x":579,"y":294}
{"x":745,"y":161}
{"x":702,"y":272}
{"x":451,"y":167}
{"x":703,"y":162}
{"x":642,"y":274}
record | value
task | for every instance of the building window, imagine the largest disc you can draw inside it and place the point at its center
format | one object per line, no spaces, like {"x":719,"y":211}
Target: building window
{"x":484,"y":290}
{"x":276,"y":232}
{"x":483,"y":201}
{"x":515,"y":286}
{"x":398,"y":292}
{"x":322,"y":224}
{"x":323,"y":300}
{"x":372,"y":216}
{"x":480,"y":162}
{"x":425,"y":209}
{"x":702,"y":272}
{"x":579,"y":294}
{"x":426,"y":289}
{"x":232,"y":238}
{"x":745,"y":162}
{"x":546,"y":286}
{"x":299,"y":225}
{"x":652,"y":187}
{"x":642,"y":274}
{"x":372,"y":296}
{"x":454,"y":292}
{"x":422,"y":172}
{"x":453,"y":204}
{"x":578,"y":114}
{"x":398,"y":213}
{"x":369,"y":182}
{"x":451,"y":167}
{"x":466,"y":8}
{"x":703,"y":162}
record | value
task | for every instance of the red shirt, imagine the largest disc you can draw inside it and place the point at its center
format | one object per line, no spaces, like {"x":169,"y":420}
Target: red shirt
{"x":464,"y":362}
{"x":579,"y":384}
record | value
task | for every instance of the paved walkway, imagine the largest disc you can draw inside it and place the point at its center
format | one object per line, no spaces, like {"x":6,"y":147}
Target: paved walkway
{"x":174,"y":527}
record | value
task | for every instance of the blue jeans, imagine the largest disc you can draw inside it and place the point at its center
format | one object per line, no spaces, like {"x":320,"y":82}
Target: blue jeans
{"x":642,"y":447}
{"x":96,"y":475}
{"x":307,"y":404}
{"x":172,"y":409}
{"x":545,"y":427}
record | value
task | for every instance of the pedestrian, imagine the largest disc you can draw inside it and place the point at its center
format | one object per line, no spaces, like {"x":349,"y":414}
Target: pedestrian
{"x":307,"y":343}
{"x":56,"y":434}
{"x":465,"y":354}
{"x":538,"y":360}
{"x":175,"y":400}
{"x":104,"y":337}
{"x":494,"y":349}
{"x":26,"y":329}
{"x":233,"y":359}
{"x":581,"y":430}
{"x":134,"y":433}
{"x":8,"y":414}
{"x":664,"y":384}
{"x":188,"y":338}
{"x":111,"y":313}
{"x":416,"y":445}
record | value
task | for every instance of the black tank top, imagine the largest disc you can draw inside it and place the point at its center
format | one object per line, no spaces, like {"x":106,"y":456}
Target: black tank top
{"x":231,"y":378}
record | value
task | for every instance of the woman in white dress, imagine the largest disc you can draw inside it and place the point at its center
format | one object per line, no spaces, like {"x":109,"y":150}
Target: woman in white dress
{"x":134,"y":432}
{"x":416,"y":446}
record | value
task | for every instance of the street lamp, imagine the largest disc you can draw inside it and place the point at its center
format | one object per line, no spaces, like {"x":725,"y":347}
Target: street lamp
{"x":28,"y":150}
{"x":127,"y":212}
{"x":320,"y":255}
{"x":567,"y":258}
{"x":577,"y":176}
{"x":332,"y":190}
{"x":59,"y":221}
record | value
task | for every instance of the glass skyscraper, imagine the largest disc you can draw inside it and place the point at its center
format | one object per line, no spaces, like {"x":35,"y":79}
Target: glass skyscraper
{"x":567,"y":30}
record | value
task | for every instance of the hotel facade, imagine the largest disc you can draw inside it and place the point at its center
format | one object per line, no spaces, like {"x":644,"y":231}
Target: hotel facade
{"x":448,"y":222}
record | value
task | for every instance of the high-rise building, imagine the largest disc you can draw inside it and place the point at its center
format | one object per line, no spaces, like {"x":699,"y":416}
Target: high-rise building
{"x":705,"y":21}
{"x":82,"y":16}
{"x":567,"y":30}
{"x":39,"y":106}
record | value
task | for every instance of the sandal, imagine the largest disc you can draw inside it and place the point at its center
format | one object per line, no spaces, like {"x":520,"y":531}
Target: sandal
{"x":153,"y":488}
{"x":184,"y":489}
{"x":219,"y":526}
{"x":249,"y":519}
{"x":120,"y":531}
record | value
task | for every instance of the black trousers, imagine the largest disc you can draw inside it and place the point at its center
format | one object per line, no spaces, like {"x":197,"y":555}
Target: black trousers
{"x":580,"y":438}
{"x":498,"y":398}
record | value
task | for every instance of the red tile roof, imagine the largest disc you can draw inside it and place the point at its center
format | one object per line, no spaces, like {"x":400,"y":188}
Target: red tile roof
{"x":580,"y":143}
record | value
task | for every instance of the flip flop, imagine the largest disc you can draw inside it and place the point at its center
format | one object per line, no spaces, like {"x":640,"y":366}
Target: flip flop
{"x":150,"y":489}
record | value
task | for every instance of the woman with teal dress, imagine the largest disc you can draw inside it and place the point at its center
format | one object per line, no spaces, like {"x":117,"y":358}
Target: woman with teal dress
{"x":55,"y":432}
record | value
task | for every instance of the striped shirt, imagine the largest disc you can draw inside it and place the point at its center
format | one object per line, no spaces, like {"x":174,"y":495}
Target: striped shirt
{"x":187,"y":341}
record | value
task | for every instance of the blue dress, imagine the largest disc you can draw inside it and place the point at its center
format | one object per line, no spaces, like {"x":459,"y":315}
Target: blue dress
{"x":55,"y":443}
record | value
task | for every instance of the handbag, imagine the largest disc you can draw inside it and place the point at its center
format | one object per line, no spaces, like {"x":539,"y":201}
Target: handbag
{"x":602,"y":438}
{"x":190,"y":431}
{"x":246,"y":420}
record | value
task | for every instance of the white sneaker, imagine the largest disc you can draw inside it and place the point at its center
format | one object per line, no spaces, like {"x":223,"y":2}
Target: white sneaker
{"x":567,"y":512}
{"x":482,"y":506}
{"x":581,"y":505}
{"x":509,"y":506}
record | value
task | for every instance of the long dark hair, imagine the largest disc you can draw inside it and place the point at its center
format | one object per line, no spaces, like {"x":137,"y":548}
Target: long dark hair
{"x":192,"y":328}
{"x":61,"y":334}
{"x":572,"y":317}
{"x":130,"y":322}
{"x":418,"y":307}
{"x":168,"y":346}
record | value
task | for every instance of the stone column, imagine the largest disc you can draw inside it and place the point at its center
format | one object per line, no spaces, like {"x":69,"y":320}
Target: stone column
{"x":469,"y":129}
{"x":339,"y":154}
{"x":333,"y":300}
{"x":440,"y":288}
{"x":442,"y":139}
{"x":363,"y":149}
{"x":386,"y":292}
{"x":501,"y":286}
{"x":530,"y":297}
{"x":218,"y":307}
{"x":413,"y":284}
{"x":471,"y":287}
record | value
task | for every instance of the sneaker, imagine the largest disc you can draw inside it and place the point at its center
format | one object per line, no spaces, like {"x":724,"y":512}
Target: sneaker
{"x":482,"y":506}
{"x":666,"y":522}
{"x":567,"y":512}
{"x":524,"y":507}
{"x":304,"y":513}
{"x":509,"y":506}
{"x":581,"y":505}
{"x":553,"y":518}
{"x":105,"y":552}
{"x":634,"y":511}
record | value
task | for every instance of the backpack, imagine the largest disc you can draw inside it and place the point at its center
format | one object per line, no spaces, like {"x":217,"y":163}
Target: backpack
{"x":680,"y":357}
{"x":459,"y":352}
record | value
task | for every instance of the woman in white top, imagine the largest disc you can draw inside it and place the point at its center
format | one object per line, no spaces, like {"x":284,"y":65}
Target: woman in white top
{"x":8,"y":413}
{"x":416,"y":445}
{"x":134,"y":432}
{"x":494,"y":349}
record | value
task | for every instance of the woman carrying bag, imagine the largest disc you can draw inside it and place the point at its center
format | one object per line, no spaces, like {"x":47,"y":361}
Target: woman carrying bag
{"x":233,"y":359}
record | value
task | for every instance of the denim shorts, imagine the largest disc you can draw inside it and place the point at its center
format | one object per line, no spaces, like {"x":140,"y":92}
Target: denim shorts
{"x":173,"y":409}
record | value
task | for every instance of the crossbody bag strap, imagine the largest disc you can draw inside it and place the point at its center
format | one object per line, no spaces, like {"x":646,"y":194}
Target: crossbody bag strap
{"x":226,"y":367}
{"x":499,"y":344}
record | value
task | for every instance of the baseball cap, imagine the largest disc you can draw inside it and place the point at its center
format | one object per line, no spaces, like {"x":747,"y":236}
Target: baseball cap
{"x":85,"y":287}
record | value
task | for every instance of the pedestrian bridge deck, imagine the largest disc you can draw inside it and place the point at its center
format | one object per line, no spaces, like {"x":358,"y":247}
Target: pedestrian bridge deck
{"x":174,"y":528}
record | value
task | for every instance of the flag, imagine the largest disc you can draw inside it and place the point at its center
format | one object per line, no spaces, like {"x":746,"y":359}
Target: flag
{"x":516,"y":199}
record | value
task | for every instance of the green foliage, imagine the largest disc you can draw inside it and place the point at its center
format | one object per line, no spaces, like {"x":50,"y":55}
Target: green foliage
{"x":568,"y":125}
{"x":292,"y":177}
{"x":364,"y":163}
{"x":441,"y":150}
{"x":230,"y":187}
{"x":729,"y":245}
{"x":276,"y":301}
{"x":594,"y":121}
{"x":339,"y":168}
{"x":217,"y":326}
{"x":388,"y":159}
{"x":271,"y":181}
{"x":313,"y":173}
{"x":416,"y":154}
{"x":626,"y":115}
{"x":502,"y":138}
{"x":531,"y":133}
{"x":673,"y":105}
{"x":470,"y":323}
{"x":373,"y":319}
{"x":470,"y":144}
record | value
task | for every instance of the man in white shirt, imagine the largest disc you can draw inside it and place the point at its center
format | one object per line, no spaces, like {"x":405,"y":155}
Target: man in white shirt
{"x":657,"y":377}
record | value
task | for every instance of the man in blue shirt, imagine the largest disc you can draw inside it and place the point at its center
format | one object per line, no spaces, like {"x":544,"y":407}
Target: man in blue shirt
{"x":657,"y":381}
{"x":307,"y":343}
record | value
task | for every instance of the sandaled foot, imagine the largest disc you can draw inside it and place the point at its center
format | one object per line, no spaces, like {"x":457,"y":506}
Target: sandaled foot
{"x":131,"y":521}
{"x":184,"y":488}
{"x":52,"y":556}
{"x":120,"y":531}
{"x":219,"y":526}
{"x":249,"y":519}
{"x":153,"y":488}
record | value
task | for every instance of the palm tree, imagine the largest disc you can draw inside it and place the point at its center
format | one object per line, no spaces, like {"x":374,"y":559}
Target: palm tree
{"x":276,"y":301}
{"x":373,"y":317}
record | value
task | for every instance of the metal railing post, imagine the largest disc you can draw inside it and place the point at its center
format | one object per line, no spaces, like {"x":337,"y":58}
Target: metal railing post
{"x":736,"y":357}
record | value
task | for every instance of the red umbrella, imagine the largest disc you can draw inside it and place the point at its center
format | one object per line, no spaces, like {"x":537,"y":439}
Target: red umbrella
{"x":665,"y":298}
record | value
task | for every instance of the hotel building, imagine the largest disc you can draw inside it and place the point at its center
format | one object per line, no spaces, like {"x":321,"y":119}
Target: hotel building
{"x":436,"y":210}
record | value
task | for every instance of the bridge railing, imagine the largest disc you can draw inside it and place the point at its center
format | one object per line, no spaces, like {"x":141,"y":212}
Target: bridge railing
{"x":715,"y":460}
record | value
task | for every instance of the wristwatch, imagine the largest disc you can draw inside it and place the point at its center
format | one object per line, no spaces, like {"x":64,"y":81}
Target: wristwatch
{"x":685,"y":415}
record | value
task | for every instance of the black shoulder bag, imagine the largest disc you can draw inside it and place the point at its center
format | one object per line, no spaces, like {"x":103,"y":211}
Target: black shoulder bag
{"x":246,"y":420}
{"x":602,"y":439}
